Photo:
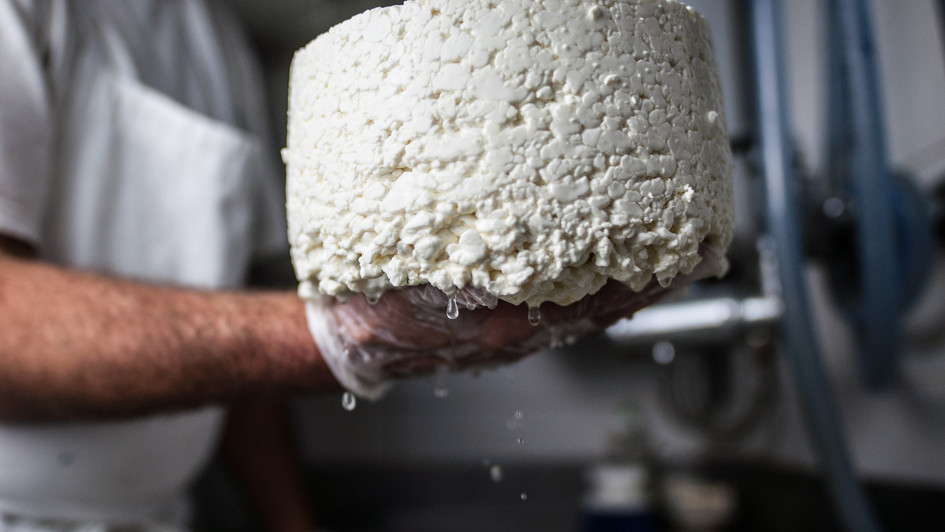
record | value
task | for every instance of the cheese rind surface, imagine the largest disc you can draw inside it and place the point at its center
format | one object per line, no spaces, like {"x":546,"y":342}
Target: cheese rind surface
{"x":529,"y":149}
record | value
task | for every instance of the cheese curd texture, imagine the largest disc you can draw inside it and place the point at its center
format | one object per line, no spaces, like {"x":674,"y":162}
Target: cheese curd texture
{"x":531,"y":149}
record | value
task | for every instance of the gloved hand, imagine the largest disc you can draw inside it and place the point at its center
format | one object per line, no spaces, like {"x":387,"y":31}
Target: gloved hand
{"x":407,"y":332}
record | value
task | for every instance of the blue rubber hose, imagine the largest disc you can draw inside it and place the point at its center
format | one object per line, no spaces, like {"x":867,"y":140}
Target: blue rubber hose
{"x":783,"y":208}
{"x":863,"y":168}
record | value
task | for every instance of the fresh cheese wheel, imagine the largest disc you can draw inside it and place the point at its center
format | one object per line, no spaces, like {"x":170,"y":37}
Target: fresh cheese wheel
{"x":524,"y":148}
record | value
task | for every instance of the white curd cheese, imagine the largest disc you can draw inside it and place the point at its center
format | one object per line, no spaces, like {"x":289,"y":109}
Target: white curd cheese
{"x":532,"y":149}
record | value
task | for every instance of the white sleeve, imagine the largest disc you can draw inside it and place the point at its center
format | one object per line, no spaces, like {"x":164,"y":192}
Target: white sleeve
{"x":26,"y":121}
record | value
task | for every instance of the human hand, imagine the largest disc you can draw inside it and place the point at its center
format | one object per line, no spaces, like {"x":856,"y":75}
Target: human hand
{"x":416,"y":330}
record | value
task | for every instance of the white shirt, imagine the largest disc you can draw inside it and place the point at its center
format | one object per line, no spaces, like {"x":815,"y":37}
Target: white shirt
{"x":131,"y":143}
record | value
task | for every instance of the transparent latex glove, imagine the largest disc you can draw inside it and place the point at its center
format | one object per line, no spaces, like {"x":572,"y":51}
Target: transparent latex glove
{"x":408,"y":332}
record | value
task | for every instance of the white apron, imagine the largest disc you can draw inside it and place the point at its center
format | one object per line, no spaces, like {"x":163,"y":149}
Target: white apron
{"x":142,"y":187}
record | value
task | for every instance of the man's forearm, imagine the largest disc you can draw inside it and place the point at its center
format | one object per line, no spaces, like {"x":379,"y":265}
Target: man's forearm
{"x":79,"y":345}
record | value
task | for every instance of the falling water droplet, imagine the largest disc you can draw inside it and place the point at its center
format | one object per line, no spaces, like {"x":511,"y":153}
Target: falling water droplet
{"x":534,"y":315}
{"x":521,"y":441}
{"x":496,"y":473}
{"x":524,"y":496}
{"x":518,"y":414}
{"x":452,"y":309}
{"x":348,"y":401}
{"x":440,"y":391}
{"x":555,"y":341}
{"x":664,"y":353}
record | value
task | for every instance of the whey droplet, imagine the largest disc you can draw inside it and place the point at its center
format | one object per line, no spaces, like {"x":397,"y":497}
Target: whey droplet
{"x":534,"y":315}
{"x":664,"y":353}
{"x":372,"y":299}
{"x":555,"y":341}
{"x":440,"y":391}
{"x":496,"y":473}
{"x":452,"y":308}
{"x":348,"y":401}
